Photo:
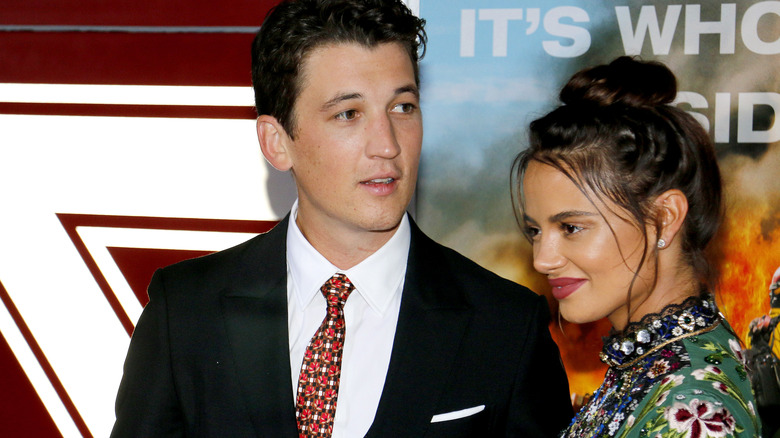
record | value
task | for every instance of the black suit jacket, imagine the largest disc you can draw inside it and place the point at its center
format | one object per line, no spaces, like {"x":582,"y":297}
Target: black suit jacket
{"x":210,"y":358}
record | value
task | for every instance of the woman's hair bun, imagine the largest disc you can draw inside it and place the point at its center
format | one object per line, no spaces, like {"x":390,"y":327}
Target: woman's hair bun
{"x":625,"y":81}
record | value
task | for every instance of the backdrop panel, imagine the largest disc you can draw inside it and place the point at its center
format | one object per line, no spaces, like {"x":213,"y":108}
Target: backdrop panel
{"x":111,"y":111}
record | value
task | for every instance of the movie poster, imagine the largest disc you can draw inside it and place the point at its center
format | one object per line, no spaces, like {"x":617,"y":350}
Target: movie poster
{"x":491,"y":68}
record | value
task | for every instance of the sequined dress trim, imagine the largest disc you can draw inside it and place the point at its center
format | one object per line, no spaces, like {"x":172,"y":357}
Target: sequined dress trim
{"x":656,"y":330}
{"x":640,"y":357}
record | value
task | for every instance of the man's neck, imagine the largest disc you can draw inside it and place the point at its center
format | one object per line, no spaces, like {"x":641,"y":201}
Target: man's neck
{"x":345,"y":249}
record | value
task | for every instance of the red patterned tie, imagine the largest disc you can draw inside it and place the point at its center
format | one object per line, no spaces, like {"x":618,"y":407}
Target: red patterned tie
{"x":318,"y":384}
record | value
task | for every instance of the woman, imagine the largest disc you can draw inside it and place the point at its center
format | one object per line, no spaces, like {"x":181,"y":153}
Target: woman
{"x":619,"y":194}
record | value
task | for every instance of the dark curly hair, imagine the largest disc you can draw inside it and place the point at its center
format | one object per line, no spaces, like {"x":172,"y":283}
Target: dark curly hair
{"x":294,"y":28}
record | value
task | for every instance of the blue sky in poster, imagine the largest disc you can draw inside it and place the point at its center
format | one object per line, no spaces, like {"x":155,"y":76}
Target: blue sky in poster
{"x":490,"y":68}
{"x":471,"y":101}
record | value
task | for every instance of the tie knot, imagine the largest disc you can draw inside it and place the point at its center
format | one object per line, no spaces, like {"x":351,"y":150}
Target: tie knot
{"x":336,"y":290}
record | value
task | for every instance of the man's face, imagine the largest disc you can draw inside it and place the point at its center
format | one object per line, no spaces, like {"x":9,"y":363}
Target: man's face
{"x":357,"y":142}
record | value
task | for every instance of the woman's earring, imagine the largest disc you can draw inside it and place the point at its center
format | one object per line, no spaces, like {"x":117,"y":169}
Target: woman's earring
{"x":661,"y":243}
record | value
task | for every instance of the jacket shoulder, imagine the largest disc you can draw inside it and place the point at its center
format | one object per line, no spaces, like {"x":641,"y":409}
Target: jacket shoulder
{"x":263,"y":254}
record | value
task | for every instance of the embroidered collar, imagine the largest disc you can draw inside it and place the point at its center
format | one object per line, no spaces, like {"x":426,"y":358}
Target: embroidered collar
{"x":676,"y":321}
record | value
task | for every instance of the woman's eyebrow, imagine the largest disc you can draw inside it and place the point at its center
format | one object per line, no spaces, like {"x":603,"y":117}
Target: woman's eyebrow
{"x":562,"y":216}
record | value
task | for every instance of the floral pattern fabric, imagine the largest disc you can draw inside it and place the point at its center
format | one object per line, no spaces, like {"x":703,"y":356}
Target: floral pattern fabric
{"x":676,"y":374}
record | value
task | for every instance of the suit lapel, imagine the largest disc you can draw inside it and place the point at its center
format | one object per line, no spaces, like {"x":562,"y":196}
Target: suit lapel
{"x":255,"y":315}
{"x":431,"y":324}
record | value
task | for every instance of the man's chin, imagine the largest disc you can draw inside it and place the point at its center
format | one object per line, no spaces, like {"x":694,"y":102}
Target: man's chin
{"x":385,"y":224}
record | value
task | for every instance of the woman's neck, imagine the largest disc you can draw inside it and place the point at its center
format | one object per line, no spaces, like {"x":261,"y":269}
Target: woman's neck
{"x":670,"y":288}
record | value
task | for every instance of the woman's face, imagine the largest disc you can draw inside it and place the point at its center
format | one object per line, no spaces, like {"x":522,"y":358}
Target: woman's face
{"x":590,"y":266}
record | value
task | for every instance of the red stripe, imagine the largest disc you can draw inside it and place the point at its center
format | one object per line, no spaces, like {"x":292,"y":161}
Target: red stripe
{"x":71,"y":221}
{"x":165,"y":223}
{"x":108,"y":293}
{"x":132,"y":12}
{"x":44,"y":363}
{"x":178,"y":111}
{"x":123,"y":58}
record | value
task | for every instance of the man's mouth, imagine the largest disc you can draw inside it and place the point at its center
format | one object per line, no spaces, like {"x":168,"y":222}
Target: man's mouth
{"x":380,"y":181}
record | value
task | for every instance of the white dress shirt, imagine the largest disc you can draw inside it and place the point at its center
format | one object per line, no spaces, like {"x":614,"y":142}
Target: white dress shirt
{"x":370,"y":315}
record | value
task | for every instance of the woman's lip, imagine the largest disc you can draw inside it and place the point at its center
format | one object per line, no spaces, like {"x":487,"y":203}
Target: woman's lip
{"x":563,"y":287}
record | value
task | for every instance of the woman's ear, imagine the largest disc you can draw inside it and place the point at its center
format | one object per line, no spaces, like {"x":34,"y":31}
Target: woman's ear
{"x":672,"y":208}
{"x":274,"y":142}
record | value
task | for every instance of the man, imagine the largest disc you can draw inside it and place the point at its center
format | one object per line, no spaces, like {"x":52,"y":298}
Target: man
{"x":416,"y":341}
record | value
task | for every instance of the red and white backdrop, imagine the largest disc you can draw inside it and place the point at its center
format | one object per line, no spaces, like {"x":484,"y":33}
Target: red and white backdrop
{"x":127,"y":143}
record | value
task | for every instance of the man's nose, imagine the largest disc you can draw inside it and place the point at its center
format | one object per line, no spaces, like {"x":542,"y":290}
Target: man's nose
{"x":383,"y":142}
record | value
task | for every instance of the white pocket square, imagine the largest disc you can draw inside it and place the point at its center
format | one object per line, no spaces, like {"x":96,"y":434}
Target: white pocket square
{"x":454,"y":415}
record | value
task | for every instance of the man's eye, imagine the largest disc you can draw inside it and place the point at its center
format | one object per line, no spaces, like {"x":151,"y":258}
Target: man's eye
{"x":347,"y":115}
{"x":404,"y":108}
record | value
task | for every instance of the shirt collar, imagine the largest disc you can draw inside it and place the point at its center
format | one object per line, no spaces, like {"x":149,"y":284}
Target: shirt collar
{"x":376,"y":279}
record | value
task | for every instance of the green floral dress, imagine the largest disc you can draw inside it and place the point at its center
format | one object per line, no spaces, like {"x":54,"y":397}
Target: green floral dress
{"x":678,"y":373}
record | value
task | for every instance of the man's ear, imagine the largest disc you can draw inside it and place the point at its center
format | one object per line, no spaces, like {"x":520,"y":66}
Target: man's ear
{"x":672,"y":207}
{"x":274,"y":142}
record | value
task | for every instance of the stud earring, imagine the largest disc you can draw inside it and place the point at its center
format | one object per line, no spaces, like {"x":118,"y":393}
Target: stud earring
{"x":661,"y":243}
